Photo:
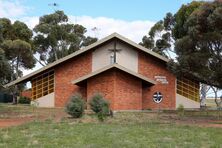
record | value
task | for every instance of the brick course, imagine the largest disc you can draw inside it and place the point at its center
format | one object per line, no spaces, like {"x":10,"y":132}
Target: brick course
{"x":104,"y":84}
{"x":123,"y":91}
{"x":68,"y":71}
{"x":151,"y":67}
{"x":128,"y":92}
{"x":26,"y":93}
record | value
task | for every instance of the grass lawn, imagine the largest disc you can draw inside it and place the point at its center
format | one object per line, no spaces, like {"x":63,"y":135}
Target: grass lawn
{"x":123,"y":130}
{"x":64,"y":134}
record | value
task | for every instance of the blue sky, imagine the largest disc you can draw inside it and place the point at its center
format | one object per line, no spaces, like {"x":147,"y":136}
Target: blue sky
{"x":129,"y":10}
{"x":131,"y":18}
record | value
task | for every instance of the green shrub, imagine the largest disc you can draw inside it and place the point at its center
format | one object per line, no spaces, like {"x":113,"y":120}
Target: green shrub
{"x":24,"y":100}
{"x":76,"y":106}
{"x":180,"y":110}
{"x":100,"y":106}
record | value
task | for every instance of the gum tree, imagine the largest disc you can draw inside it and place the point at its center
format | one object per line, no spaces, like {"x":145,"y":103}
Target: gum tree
{"x":56,"y":37}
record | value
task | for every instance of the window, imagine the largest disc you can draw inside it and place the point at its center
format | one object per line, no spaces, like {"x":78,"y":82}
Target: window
{"x":42,"y":85}
{"x":188,"y":88}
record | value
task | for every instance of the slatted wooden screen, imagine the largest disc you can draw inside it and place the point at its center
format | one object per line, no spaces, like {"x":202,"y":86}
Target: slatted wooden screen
{"x":189,"y":89}
{"x":42,"y":84}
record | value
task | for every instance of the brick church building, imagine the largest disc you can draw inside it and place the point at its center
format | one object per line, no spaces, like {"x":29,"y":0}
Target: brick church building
{"x":130,"y":76}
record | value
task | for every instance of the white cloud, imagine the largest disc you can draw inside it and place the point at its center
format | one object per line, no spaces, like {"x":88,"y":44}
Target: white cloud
{"x":11,"y":9}
{"x":30,"y":21}
{"x":133,"y":30}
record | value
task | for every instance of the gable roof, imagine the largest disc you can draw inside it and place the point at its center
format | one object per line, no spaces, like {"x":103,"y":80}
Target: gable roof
{"x":150,"y":81}
{"x":114,"y":35}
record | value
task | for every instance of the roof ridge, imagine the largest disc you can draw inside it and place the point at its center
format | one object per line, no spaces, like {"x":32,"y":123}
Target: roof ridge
{"x":78,"y":52}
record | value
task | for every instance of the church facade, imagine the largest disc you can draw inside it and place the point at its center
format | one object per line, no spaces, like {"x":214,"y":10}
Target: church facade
{"x":128,"y":75}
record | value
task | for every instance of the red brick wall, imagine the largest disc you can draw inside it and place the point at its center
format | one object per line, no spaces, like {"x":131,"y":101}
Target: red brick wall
{"x":68,"y":71}
{"x":123,"y":91}
{"x":150,"y":67}
{"x":26,"y":93}
{"x":128,"y":92}
{"x":104,"y":84}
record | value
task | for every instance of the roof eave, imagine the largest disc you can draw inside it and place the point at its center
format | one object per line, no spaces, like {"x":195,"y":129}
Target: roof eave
{"x":81,"y":79}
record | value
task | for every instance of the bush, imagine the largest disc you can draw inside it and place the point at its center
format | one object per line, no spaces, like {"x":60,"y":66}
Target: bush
{"x":75,"y":107}
{"x":100,"y":106}
{"x":24,"y":100}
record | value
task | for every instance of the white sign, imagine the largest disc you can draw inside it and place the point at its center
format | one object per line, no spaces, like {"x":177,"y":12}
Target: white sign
{"x":161,"y":79}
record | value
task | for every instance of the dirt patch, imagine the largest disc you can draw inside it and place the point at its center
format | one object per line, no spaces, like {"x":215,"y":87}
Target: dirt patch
{"x":15,"y":121}
{"x":14,"y":116}
{"x":193,"y":121}
{"x":203,"y":123}
{"x":17,"y":115}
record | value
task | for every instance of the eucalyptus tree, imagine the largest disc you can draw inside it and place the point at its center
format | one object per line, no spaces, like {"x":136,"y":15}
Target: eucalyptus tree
{"x":56,"y":37}
{"x":16,"y":51}
{"x":16,"y":42}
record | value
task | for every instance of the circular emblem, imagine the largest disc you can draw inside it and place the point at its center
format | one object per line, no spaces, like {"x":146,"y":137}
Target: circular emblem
{"x":157,"y":97}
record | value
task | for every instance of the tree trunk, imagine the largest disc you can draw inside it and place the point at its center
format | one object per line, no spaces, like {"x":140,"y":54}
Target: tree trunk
{"x":217,"y":100}
{"x":55,"y":54}
{"x":203,"y":91}
{"x":15,"y":94}
{"x":15,"y":91}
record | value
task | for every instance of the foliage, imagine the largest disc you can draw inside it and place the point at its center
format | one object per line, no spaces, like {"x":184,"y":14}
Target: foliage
{"x":165,"y":32}
{"x":75,"y":107}
{"x":5,"y":69}
{"x":15,"y":41}
{"x":57,"y":38}
{"x":24,"y":100}
{"x":156,"y":40}
{"x":100,"y":106}
{"x":199,"y":45}
{"x":18,"y":52}
{"x":180,"y":27}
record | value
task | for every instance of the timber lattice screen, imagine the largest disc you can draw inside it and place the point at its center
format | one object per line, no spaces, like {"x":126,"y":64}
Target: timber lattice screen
{"x":188,"y":88}
{"x":43,"y":84}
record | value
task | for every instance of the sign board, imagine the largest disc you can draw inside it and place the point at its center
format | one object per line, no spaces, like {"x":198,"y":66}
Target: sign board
{"x":161,"y":79}
{"x":157,"y":97}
